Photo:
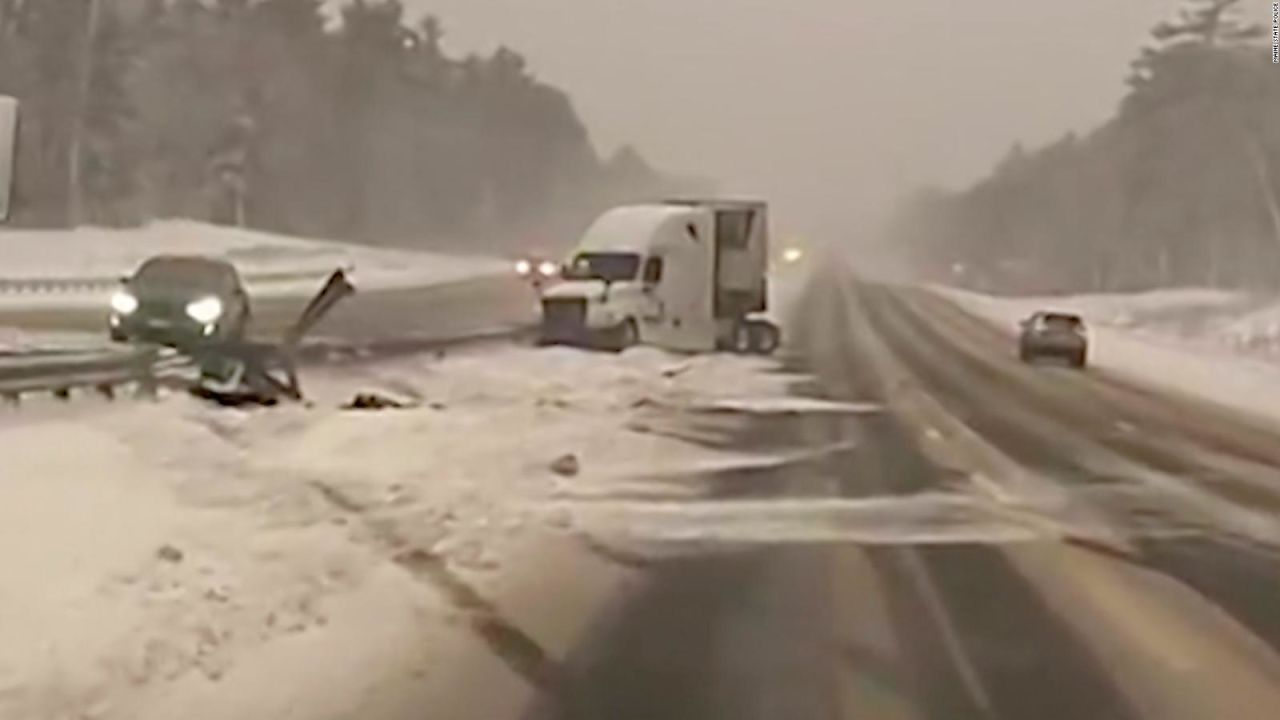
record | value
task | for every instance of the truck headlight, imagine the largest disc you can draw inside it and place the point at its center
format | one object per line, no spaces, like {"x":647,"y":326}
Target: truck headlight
{"x":547,"y":268}
{"x":124,"y":302}
{"x":523,"y":267}
{"x":205,"y":310}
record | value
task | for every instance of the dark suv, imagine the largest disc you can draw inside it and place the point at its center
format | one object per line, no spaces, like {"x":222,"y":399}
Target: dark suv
{"x":1055,"y":335}
{"x":179,"y":300}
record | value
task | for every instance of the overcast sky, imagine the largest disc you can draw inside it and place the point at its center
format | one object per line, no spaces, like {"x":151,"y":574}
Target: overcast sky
{"x":830,"y":108}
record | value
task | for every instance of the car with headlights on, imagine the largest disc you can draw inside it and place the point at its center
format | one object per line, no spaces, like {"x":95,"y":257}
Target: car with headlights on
{"x":1055,"y":335}
{"x":537,"y":270}
{"x":180,"y":300}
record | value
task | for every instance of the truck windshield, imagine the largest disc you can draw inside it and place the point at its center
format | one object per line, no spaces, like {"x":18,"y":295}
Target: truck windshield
{"x":610,"y":267}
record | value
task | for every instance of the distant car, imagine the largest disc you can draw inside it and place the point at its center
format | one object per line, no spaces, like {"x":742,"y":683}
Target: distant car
{"x":537,"y":269}
{"x":1055,"y":335}
{"x":180,"y":299}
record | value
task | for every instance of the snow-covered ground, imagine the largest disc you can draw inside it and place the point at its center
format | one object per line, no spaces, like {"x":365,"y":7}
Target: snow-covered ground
{"x":1221,"y":347}
{"x":187,"y":561}
{"x":271,"y":264}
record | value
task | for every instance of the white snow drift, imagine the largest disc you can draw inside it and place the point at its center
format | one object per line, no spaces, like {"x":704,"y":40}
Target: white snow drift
{"x":271,"y":263}
{"x":171,"y":559}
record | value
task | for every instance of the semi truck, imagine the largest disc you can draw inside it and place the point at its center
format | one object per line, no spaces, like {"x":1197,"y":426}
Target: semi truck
{"x":688,"y":275}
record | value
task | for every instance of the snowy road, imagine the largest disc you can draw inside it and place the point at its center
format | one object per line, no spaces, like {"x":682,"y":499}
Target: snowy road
{"x":1017,"y":542}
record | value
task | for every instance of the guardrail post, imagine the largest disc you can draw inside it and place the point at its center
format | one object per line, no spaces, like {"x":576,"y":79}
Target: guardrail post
{"x":145,"y":376}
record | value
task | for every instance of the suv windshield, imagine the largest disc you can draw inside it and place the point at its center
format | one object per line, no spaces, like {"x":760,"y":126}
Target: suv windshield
{"x":610,"y":267}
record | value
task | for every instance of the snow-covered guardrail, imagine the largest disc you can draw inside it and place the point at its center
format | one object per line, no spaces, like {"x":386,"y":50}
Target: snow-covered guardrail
{"x":84,"y":285}
{"x":142,"y":370}
{"x":50,"y":286}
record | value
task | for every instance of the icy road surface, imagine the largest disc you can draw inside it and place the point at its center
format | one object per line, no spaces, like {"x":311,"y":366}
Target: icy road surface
{"x":999,"y":541}
{"x":175,"y":560}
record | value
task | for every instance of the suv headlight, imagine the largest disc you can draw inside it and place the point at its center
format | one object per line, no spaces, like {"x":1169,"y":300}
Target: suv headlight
{"x":124,"y":302}
{"x":205,"y":310}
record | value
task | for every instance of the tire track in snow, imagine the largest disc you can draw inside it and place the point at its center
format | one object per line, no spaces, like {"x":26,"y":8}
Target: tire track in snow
{"x":516,"y":648}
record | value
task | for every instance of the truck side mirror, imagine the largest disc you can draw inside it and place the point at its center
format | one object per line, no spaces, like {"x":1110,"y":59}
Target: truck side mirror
{"x":8,"y":151}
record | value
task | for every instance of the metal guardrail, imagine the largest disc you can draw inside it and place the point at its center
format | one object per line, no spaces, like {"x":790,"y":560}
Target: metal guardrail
{"x":103,"y":373}
{"x":146,"y":369}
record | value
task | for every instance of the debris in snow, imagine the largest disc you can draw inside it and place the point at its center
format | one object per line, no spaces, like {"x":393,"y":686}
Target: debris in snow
{"x":566,"y":465}
{"x":169,"y":553}
{"x":377,"y":401}
{"x":677,"y":370}
{"x":642,"y":428}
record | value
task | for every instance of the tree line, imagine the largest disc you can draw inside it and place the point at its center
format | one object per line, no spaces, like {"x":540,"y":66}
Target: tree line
{"x":1180,"y":187}
{"x":264,"y":113}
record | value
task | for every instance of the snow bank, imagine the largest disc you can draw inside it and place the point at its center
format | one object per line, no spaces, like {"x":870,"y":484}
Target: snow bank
{"x":204,"y":563}
{"x":1117,"y":310}
{"x":270,"y":263}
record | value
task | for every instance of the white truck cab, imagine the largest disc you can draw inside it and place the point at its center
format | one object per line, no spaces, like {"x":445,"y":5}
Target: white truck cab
{"x":686,"y":275}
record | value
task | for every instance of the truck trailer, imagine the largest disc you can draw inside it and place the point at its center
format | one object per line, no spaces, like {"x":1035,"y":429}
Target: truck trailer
{"x":686,"y":275}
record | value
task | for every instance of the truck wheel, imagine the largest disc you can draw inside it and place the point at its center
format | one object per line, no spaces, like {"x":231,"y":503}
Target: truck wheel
{"x":765,"y":337}
{"x":624,"y":336}
{"x":1078,"y":360}
{"x":743,"y":340}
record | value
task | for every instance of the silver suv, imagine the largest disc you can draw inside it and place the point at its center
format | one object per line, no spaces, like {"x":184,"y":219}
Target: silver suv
{"x":1055,"y":335}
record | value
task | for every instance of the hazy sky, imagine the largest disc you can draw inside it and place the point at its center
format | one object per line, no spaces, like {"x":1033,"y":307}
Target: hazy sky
{"x":830,"y":108}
